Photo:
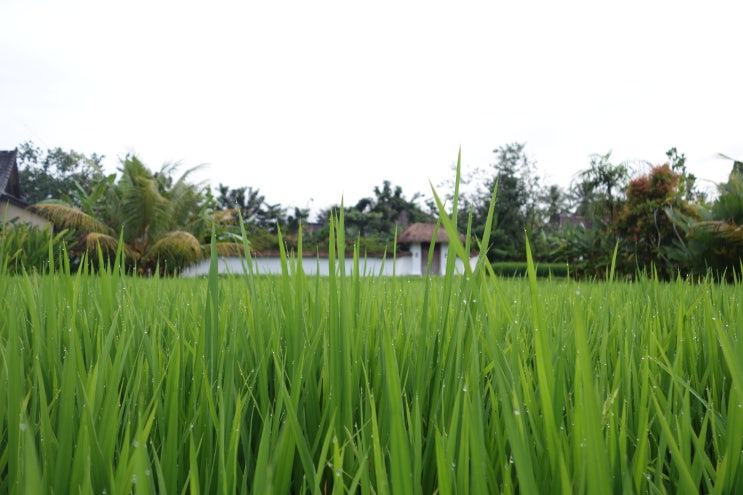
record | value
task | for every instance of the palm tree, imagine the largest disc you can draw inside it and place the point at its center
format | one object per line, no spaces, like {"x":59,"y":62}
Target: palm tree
{"x":715,"y":240}
{"x":606,"y":180}
{"x":161,"y":219}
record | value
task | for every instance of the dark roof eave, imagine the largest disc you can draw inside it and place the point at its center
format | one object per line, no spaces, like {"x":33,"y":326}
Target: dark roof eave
{"x":13,"y":200}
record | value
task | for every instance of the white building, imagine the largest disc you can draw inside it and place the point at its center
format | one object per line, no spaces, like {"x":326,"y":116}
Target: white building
{"x":411,"y":261}
{"x":418,"y":237}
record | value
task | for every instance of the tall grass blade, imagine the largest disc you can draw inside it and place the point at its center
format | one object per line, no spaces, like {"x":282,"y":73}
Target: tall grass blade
{"x":211,"y":312}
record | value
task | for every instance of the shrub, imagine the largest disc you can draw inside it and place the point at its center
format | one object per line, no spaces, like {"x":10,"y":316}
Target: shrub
{"x":23,"y":246}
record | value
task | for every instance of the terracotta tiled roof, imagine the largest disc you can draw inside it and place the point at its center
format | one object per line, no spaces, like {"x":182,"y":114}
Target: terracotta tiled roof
{"x":423,"y":232}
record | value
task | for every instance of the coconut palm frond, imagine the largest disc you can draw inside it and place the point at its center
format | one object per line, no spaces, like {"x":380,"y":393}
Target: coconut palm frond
{"x":108,"y":245}
{"x":185,"y":200}
{"x":143,"y":208}
{"x":186,"y":206}
{"x":228,"y":249}
{"x":65,"y":216}
{"x":730,"y":232}
{"x":224,"y":217}
{"x":176,"y":249}
{"x":167,"y":171}
{"x":94,"y":240}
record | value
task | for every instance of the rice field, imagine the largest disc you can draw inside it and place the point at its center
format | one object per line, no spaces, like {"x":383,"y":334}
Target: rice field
{"x":296,"y":384}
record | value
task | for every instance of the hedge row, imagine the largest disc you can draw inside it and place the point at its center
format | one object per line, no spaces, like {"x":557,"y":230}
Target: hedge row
{"x":518,"y":269}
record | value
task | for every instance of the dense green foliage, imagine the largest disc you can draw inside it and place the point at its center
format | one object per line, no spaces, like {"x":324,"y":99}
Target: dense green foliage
{"x":23,"y":247}
{"x":656,"y":217}
{"x":55,"y":173}
{"x":375,"y":221}
{"x":646,"y":231}
{"x":713,"y":239}
{"x":163,"y":219}
{"x":513,"y":175}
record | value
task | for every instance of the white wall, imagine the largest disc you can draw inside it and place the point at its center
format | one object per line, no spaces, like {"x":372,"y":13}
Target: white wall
{"x":415,"y":260}
{"x":9,"y":211}
{"x":404,"y":265}
{"x":311,"y":266}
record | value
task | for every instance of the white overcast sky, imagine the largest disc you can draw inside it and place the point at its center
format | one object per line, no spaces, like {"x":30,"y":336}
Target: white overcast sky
{"x":309,"y":101}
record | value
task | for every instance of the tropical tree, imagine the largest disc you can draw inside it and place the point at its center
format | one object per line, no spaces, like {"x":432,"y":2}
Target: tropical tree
{"x":56,"y":173}
{"x":379,"y":216}
{"x":271,"y":217}
{"x":595,"y":197}
{"x":373,"y":220}
{"x":554,"y":202}
{"x":396,"y":209}
{"x":163,"y":219}
{"x":603,"y":183}
{"x":247,"y":201}
{"x":645,"y":229}
{"x":687,"y":186}
{"x":517,"y":206}
{"x":713,"y":242}
{"x":296,"y":220}
{"x":583,"y":199}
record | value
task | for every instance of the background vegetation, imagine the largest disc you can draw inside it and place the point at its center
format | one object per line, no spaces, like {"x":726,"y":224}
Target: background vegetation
{"x":654,"y":214}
